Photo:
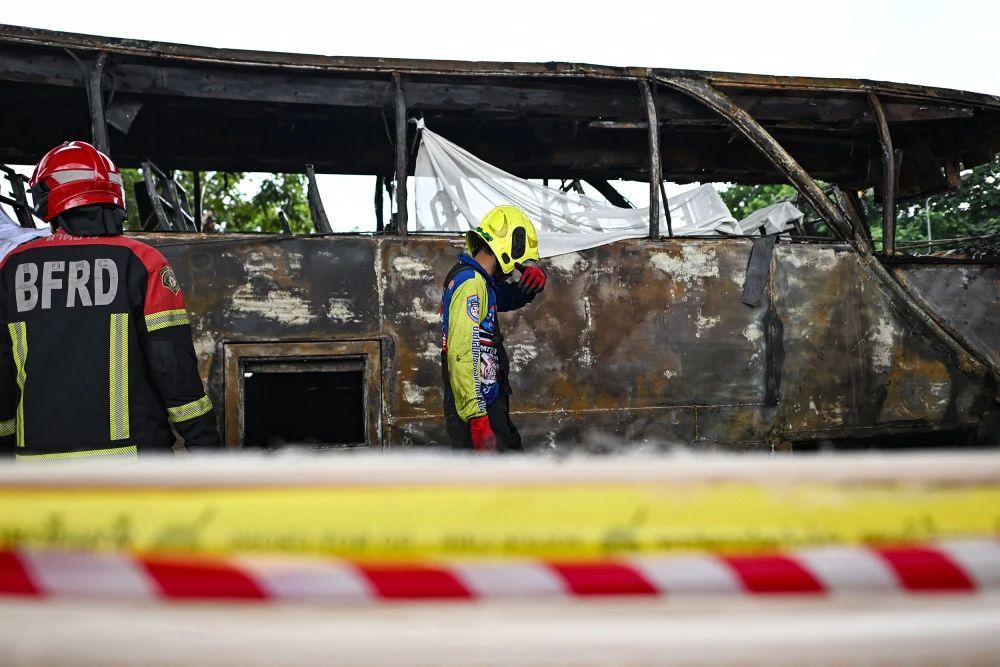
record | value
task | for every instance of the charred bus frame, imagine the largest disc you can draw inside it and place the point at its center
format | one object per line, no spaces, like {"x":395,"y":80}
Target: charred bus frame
{"x":327,"y":114}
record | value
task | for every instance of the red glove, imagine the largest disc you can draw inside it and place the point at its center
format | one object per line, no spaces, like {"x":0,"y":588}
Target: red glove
{"x":533,"y":279}
{"x":483,"y":437}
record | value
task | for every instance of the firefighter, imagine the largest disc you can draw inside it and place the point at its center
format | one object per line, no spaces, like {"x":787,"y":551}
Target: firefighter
{"x":97,"y":354}
{"x":474,"y":362}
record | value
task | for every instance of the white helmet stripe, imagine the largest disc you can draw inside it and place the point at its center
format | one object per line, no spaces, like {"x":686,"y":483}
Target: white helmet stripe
{"x":70,"y":175}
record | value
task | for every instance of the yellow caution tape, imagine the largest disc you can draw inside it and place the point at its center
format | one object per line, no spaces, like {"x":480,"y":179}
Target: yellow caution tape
{"x":556,"y":520}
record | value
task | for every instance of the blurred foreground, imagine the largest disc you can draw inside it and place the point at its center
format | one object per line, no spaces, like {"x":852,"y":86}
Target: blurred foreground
{"x":669,"y":560}
{"x":884,"y":631}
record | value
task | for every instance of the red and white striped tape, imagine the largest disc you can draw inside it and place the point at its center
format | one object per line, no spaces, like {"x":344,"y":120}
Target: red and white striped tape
{"x":960,"y":566}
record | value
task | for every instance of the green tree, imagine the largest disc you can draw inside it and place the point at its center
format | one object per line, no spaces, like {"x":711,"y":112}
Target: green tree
{"x":224,"y":195}
{"x":743,"y":200}
{"x":972,"y":210}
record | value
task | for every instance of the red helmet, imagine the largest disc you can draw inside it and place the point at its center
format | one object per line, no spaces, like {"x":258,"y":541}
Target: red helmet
{"x":75,"y":174}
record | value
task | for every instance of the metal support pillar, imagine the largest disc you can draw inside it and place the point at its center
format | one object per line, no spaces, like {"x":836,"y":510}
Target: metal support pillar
{"x":401,"y":156}
{"x":888,"y":176}
{"x":317,"y":211}
{"x":379,"y":189}
{"x":654,"y":160}
{"x":95,"y":98}
{"x":196,"y":182}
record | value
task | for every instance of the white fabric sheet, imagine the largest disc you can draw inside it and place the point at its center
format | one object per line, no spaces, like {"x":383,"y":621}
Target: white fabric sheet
{"x":13,"y":235}
{"x":454,"y":190}
{"x":775,"y":219}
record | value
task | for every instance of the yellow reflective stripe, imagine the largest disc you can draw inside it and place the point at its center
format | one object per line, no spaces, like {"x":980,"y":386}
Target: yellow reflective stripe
{"x":8,"y":427}
{"x":118,"y":376}
{"x":19,"y":347}
{"x":115,"y":453}
{"x":166,"y":318}
{"x":183,"y":413}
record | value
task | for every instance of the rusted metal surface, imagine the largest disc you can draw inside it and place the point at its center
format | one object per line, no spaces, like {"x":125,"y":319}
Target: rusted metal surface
{"x":639,"y":341}
{"x":965,"y":298}
{"x":913,"y":308}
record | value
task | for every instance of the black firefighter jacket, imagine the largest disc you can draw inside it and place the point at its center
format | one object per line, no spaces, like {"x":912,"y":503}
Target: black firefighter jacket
{"x":96,"y":352}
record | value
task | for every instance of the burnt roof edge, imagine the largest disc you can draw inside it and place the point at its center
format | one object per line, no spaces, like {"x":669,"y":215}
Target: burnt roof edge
{"x":12,"y":34}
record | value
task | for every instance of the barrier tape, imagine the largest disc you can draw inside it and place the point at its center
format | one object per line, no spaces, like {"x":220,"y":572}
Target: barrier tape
{"x":549,"y":521}
{"x":956,"y":567}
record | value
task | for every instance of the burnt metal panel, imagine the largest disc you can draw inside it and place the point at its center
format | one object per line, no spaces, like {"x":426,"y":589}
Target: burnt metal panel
{"x":271,"y":289}
{"x":852,"y":360}
{"x":965,"y":298}
{"x":642,"y":342}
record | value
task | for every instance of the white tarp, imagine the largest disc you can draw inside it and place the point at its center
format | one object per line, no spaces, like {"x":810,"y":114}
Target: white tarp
{"x":454,"y":190}
{"x":13,"y":235}
{"x":775,"y":219}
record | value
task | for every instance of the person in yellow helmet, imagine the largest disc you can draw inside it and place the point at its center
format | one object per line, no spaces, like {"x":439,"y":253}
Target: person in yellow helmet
{"x":474,"y":363}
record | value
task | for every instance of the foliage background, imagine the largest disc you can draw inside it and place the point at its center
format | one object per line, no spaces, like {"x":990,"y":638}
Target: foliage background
{"x":972,"y":210}
{"x":225,"y":195}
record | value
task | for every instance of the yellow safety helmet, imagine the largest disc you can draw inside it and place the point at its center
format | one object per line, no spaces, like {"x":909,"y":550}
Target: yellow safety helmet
{"x":509,"y":234}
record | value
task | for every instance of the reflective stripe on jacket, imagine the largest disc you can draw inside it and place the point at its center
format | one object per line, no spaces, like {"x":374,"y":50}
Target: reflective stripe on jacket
{"x":97,"y":353}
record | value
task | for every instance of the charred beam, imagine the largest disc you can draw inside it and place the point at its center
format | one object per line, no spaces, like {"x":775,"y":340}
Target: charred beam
{"x":379,"y":188}
{"x":401,"y":155}
{"x":889,"y":176}
{"x":654,"y":159}
{"x":609,"y":192}
{"x":95,"y":98}
{"x":196,"y":182}
{"x":501,"y":95}
{"x":316,"y":209}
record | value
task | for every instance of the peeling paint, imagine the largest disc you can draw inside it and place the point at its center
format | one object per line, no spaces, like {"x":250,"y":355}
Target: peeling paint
{"x":341,"y":310}
{"x":414,"y":393}
{"x":570,"y":263}
{"x":823,"y":259}
{"x":521,"y":354}
{"x":278,"y":305}
{"x":754,"y":334}
{"x":412,"y":268}
{"x":421,"y":312}
{"x":694,"y":263}
{"x":703,"y":323}
{"x":431,"y":351}
{"x":883,"y":338}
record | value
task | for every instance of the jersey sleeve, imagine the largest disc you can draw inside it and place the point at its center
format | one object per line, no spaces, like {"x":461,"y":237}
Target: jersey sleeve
{"x":510,"y":297}
{"x":165,"y":336}
{"x":468,"y":309}
{"x":8,"y":385}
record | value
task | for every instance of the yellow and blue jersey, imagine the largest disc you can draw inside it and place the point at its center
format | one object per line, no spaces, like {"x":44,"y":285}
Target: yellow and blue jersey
{"x":474,"y":361}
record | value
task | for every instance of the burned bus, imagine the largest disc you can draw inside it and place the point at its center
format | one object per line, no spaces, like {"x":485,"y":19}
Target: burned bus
{"x":828,"y":331}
